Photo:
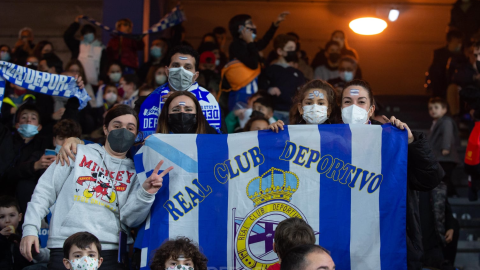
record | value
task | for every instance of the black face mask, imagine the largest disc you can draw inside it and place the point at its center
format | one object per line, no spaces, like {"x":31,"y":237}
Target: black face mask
{"x":291,"y":57}
{"x":120,"y":140}
{"x":257,"y":114}
{"x":334,"y":57}
{"x":182,"y":122}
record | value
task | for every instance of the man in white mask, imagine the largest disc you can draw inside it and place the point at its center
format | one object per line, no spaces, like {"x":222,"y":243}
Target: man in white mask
{"x":182,"y":74}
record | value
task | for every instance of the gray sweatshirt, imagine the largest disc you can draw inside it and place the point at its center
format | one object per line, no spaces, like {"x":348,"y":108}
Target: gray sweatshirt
{"x":88,"y":196}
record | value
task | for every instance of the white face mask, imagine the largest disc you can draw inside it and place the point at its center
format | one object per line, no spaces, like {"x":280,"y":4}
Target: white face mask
{"x":315,"y":114}
{"x":180,"y":79}
{"x":354,"y":115}
{"x":160,"y":79}
{"x":84,"y":263}
{"x":111,"y":97}
{"x":179,"y":267}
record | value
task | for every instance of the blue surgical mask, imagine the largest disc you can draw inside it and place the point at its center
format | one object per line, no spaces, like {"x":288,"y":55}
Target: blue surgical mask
{"x":28,"y":130}
{"x":347,"y":76}
{"x":4,"y":56}
{"x":156,"y":52}
{"x":57,"y":148}
{"x":89,"y":38}
{"x":254,"y":36}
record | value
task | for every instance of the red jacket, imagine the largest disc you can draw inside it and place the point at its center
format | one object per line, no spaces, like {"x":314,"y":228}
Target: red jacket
{"x":124,"y":49}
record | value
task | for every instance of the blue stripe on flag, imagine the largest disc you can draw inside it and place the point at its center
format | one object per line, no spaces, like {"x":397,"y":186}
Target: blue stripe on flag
{"x":173,"y":154}
{"x":213,"y":211}
{"x":335,"y":206}
{"x":158,"y":233}
{"x":138,"y":160}
{"x":393,"y":249}
{"x":269,"y":144}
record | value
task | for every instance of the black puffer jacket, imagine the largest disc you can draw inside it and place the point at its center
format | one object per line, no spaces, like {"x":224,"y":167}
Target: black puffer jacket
{"x":423,"y":174}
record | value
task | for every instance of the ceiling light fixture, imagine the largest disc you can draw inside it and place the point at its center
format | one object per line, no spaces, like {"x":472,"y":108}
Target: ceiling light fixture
{"x":393,"y":15}
{"x":368,"y":26}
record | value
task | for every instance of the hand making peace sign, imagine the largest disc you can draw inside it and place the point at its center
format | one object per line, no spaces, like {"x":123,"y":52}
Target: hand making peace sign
{"x":155,"y":181}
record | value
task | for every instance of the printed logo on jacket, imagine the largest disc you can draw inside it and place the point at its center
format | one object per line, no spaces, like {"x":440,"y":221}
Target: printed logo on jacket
{"x":101,"y":186}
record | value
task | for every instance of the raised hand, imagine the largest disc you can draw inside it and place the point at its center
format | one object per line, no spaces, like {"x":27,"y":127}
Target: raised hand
{"x":155,"y":181}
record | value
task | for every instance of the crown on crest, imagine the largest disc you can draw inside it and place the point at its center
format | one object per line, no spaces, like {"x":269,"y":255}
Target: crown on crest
{"x":274,"y":184}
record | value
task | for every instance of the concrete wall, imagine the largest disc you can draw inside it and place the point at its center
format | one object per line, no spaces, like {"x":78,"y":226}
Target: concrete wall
{"x":48,"y":19}
{"x":394,"y":62}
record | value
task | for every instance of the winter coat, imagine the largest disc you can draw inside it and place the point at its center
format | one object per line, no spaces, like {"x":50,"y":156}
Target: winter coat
{"x":444,"y":135}
{"x":124,"y":50}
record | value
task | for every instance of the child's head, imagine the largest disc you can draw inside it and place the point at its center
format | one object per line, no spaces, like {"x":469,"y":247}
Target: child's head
{"x":114,"y":72}
{"x":254,"y":97}
{"x":129,"y":83}
{"x":263,"y":105}
{"x":314,"y":101}
{"x":64,"y":129}
{"x":124,"y":25}
{"x":256,"y":123}
{"x":437,"y":107}
{"x":27,"y":120}
{"x":181,"y":251}
{"x":9,"y":213}
{"x":285,"y":47}
{"x":290,"y":233}
{"x":110,"y":93}
{"x":82,"y":249}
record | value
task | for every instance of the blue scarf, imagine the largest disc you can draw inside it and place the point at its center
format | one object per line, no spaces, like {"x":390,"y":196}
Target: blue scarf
{"x":176,"y":16}
{"x":41,"y":82}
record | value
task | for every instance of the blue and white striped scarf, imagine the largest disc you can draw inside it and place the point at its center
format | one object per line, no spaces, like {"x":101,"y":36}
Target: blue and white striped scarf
{"x":176,"y":16}
{"x":41,"y":82}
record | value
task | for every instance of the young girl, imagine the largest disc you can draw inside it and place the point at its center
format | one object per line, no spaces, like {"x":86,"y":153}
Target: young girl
{"x":179,"y":254}
{"x":99,"y":192}
{"x":313,"y":104}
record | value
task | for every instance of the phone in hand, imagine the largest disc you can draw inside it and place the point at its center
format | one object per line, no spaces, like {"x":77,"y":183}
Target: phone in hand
{"x":50,"y":152}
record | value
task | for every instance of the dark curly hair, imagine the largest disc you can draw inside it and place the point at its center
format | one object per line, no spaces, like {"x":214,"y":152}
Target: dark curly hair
{"x":67,"y":128}
{"x":173,"y":249}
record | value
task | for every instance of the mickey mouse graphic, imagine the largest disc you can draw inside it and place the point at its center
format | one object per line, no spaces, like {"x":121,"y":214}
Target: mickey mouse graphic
{"x":102,"y":186}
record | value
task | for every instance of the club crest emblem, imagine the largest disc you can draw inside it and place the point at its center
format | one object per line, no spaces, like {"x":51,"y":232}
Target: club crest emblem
{"x":271,"y":194}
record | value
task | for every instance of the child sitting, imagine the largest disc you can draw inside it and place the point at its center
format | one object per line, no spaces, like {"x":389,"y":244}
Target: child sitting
{"x":181,"y":254}
{"x":443,"y":138}
{"x":256,"y":123}
{"x":263,"y":107}
{"x":290,"y":233}
{"x":10,"y":217}
{"x":110,"y":96}
{"x":81,"y":251}
{"x":239,"y":117}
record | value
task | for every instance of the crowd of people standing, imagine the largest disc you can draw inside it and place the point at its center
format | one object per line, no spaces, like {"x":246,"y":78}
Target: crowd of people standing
{"x":206,"y":90}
